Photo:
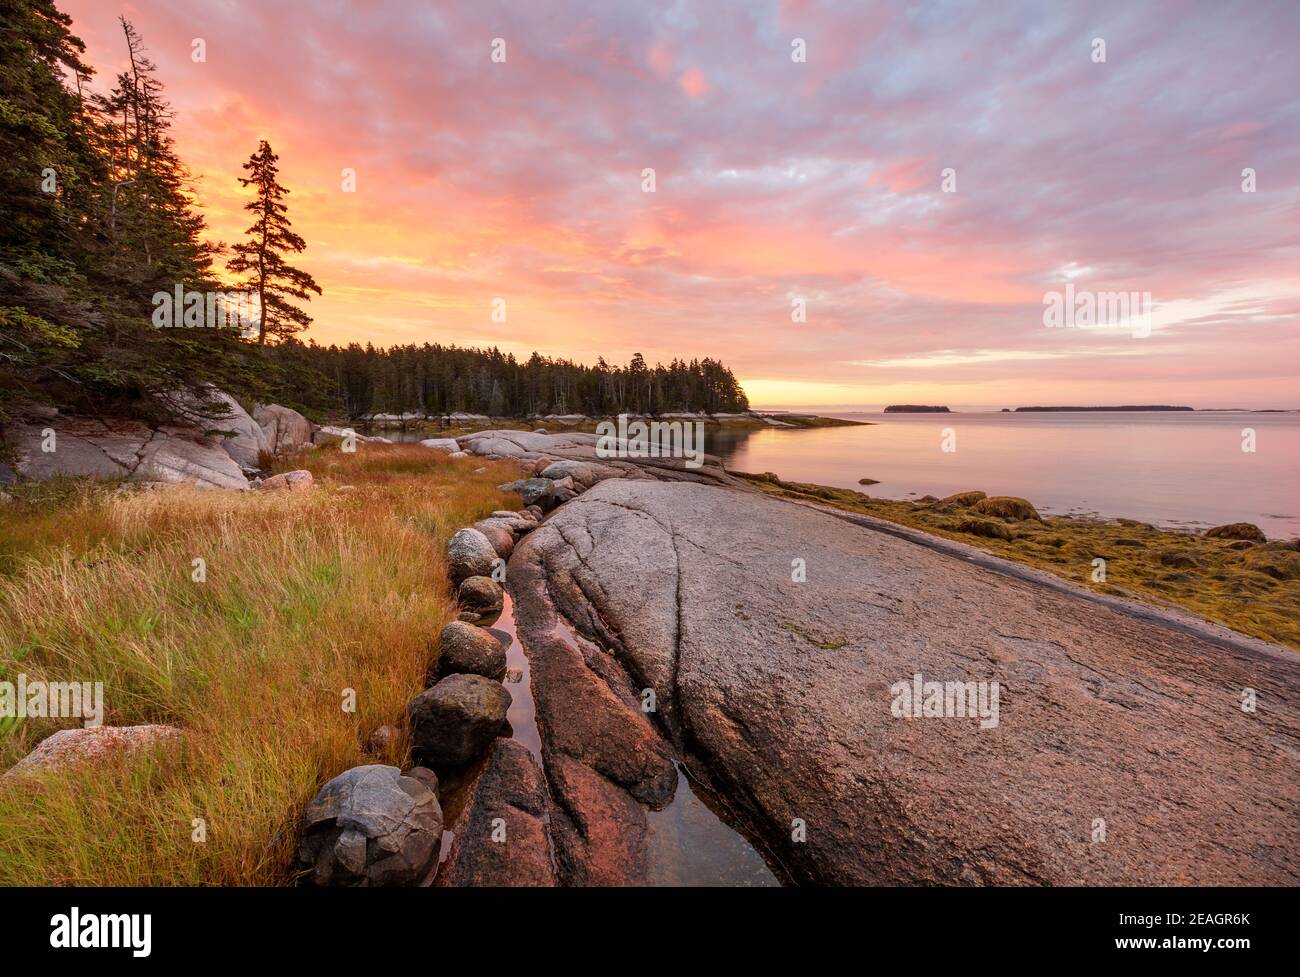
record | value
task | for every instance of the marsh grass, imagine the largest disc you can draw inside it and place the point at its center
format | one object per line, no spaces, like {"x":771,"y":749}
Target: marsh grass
{"x":1254,"y":590}
{"x":306,"y":594}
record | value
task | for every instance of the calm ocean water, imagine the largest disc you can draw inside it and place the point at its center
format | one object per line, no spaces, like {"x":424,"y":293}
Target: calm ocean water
{"x":1183,"y":470}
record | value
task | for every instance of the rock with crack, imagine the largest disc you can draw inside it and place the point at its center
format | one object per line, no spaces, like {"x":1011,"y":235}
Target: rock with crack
{"x":791,"y":700}
{"x":500,"y":831}
{"x":241,"y":436}
{"x":83,"y":447}
{"x":371,"y":826}
{"x":605,"y":761}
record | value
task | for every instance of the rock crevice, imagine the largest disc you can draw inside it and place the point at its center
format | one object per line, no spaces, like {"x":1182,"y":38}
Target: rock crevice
{"x":781,"y":695}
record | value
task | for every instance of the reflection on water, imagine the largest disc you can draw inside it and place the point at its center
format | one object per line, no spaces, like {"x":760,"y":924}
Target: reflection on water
{"x":522,"y":714}
{"x":690,"y":845}
{"x":688,"y":842}
{"x":1173,"y":469}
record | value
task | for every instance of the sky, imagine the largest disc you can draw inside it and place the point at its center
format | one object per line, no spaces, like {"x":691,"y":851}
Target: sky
{"x":919,"y":181}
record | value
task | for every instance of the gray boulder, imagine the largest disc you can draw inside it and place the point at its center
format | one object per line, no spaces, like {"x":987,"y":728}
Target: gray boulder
{"x":285,"y":428}
{"x":448,"y":445}
{"x":242,"y":437}
{"x":455,"y":721}
{"x":470,"y":650}
{"x":533,"y":491}
{"x":371,"y":826}
{"x":469,"y":554}
{"x":120,"y":449}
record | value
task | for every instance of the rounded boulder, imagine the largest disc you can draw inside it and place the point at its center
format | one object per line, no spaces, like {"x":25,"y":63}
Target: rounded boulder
{"x":469,"y":554}
{"x":456,"y":720}
{"x":466,"y":649}
{"x":371,"y":826}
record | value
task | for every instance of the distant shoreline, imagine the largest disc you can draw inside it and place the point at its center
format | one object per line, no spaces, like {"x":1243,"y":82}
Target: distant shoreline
{"x":831,"y":412}
{"x":1124,"y":408}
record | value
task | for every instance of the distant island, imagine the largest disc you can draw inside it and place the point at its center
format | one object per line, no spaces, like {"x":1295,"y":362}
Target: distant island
{"x":915,"y":409}
{"x":1125,"y":407}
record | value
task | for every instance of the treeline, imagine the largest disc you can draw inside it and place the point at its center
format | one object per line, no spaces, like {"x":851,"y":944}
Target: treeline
{"x":437,"y":379}
{"x":97,"y":217}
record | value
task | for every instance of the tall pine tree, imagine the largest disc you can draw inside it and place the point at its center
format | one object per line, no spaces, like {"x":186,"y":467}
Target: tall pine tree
{"x":261,"y":258}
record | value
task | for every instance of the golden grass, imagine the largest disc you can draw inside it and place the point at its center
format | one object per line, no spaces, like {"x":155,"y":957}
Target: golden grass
{"x":1255,"y":590}
{"x":306,"y":594}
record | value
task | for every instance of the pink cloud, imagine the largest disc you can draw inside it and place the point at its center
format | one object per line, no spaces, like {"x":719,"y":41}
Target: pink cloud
{"x":821,"y":180}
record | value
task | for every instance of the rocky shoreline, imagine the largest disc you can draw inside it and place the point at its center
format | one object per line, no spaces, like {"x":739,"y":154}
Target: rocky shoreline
{"x":677,"y":617}
{"x":649,"y":584}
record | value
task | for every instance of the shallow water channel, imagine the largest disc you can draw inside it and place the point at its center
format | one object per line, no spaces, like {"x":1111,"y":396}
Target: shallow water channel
{"x":689,"y":842}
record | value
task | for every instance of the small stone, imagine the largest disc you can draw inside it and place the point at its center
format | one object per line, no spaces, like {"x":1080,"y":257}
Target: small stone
{"x":296,"y":481}
{"x":382,"y":738}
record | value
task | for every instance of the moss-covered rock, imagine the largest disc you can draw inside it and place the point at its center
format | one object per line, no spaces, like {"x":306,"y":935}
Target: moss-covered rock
{"x":985,"y":527}
{"x":1008,"y":507}
{"x":1238,"y":530}
{"x":964,"y":498}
